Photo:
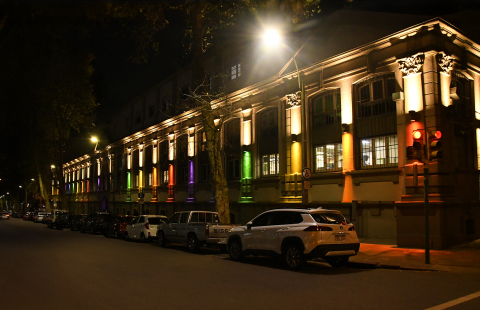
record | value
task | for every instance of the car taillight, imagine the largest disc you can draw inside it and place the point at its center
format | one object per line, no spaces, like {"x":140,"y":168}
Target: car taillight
{"x":318,"y":228}
{"x":351,"y":228}
{"x":147,"y":226}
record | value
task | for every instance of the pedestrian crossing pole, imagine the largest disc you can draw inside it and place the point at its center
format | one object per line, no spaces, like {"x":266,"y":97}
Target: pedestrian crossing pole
{"x":427,"y":212}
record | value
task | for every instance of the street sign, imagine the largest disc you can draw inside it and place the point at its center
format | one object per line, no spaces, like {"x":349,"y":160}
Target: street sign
{"x":306,"y":184}
{"x":306,"y":173}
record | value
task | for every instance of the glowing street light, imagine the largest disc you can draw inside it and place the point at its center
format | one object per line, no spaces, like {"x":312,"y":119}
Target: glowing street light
{"x":95,"y":140}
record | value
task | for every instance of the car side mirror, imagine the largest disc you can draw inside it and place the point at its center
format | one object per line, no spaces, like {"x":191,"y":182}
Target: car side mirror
{"x":249,"y":225}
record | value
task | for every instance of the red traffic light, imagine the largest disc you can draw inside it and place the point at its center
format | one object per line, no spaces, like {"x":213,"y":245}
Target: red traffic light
{"x":438,"y":134}
{"x":417,"y":134}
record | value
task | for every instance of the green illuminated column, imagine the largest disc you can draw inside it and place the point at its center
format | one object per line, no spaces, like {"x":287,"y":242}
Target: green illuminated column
{"x":246,"y":194}
{"x":129,"y":196}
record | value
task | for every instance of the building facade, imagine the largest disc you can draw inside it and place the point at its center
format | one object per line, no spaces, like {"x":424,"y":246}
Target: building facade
{"x":374,"y":117}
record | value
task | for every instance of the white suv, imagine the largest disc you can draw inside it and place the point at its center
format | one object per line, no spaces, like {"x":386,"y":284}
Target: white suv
{"x":296,"y":235}
{"x":144,"y":227}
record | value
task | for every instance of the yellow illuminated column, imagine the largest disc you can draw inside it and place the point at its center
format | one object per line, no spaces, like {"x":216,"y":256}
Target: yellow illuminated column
{"x":295,"y":131}
{"x":445,"y":65}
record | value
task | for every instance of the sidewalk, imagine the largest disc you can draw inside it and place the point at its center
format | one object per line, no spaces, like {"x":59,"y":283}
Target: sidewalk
{"x":380,"y":254}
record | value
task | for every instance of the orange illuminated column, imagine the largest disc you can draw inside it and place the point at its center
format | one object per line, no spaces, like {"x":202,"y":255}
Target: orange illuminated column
{"x":347,"y":138}
{"x":171,"y":196}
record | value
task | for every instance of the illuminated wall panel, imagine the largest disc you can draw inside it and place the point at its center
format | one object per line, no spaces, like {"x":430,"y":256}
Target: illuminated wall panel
{"x":154,"y":155}
{"x":171,"y":150}
{"x":140,"y":158}
{"x":445,"y":80}
{"x":296,"y":158}
{"x":296,"y":120}
{"x":191,"y":145}
{"x":154,"y":176}
{"x":413,"y":92}
{"x":129,"y":180}
{"x":247,"y":132}
{"x":129,"y":161}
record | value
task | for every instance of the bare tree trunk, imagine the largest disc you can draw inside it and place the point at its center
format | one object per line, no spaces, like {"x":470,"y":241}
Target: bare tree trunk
{"x":212,"y":134}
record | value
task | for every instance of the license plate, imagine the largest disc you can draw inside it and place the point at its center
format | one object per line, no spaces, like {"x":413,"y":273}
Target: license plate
{"x":340,"y":238}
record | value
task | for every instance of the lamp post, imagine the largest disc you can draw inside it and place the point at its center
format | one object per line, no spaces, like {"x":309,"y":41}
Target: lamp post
{"x":271,"y":37}
{"x":95,"y":140}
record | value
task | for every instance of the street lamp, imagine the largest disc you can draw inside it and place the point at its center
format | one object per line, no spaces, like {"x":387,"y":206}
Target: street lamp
{"x":272,"y":38}
{"x":95,"y":140}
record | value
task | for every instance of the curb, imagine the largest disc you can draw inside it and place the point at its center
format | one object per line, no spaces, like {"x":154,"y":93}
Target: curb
{"x":359,"y":265}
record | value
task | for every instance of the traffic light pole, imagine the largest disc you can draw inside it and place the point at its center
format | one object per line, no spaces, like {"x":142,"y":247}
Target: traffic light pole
{"x":427,"y":212}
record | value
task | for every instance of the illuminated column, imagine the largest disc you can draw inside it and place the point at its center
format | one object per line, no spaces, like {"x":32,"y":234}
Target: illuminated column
{"x":296,"y":148}
{"x":347,"y":138}
{"x":129,"y":174}
{"x":191,"y":172}
{"x":171,"y":194}
{"x":412,"y":82}
{"x":154,"y":172}
{"x":246,"y":193}
{"x":191,"y":182}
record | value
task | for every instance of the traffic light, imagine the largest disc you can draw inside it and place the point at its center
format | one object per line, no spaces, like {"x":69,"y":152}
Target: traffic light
{"x":418,"y":147}
{"x":435,"y":145}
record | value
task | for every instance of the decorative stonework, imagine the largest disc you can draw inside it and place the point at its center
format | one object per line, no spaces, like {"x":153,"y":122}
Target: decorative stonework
{"x":294,"y":100}
{"x":445,"y":63}
{"x":411,"y":65}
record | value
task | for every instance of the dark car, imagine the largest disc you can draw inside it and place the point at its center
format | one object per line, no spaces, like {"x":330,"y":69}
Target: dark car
{"x":63,"y":220}
{"x":116,"y":227}
{"x":31,"y":216}
{"x":77,"y":221}
{"x":49,"y":221}
{"x":93,"y":222}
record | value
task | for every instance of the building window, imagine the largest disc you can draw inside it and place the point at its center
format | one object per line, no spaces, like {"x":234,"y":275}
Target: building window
{"x":166,"y":105}
{"x":151,"y":111}
{"x":328,"y":158}
{"x":205,"y":173}
{"x":150,"y":179}
{"x":270,"y":164}
{"x":374,"y":97}
{"x":233,"y":169}
{"x":165,"y":178}
{"x":235,"y":71}
{"x":379,"y":152}
{"x":327,"y":109}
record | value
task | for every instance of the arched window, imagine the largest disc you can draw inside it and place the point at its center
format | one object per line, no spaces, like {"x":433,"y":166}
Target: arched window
{"x":326,"y":131}
{"x":268,"y":142}
{"x":232,"y":149}
{"x":376,"y":122}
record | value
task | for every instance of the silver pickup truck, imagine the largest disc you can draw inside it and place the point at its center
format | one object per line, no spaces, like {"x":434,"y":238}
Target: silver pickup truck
{"x":195,"y":228}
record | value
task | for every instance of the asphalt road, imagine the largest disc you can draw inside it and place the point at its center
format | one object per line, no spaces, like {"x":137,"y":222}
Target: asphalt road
{"x":42,"y":268}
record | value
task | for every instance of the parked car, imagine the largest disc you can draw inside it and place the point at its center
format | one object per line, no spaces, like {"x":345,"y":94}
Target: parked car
{"x":38,"y":216}
{"x":45,"y":217}
{"x":63,"y":220}
{"x":144,"y":227}
{"x":77,"y":221}
{"x":93,"y":222}
{"x":30,"y":216}
{"x":296,"y":235}
{"x":49,"y":221}
{"x":5,"y":216}
{"x":25,"y":216}
{"x":116,"y":227}
{"x":195,"y":228}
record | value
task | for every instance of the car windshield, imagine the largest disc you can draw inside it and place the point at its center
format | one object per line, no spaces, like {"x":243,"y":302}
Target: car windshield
{"x":329,"y":218}
{"x":155,"y":220}
{"x":125,"y":219}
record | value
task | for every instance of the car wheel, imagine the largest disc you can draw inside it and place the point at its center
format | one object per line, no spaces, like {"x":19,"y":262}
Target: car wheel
{"x":142,"y":238}
{"x":192,"y":243}
{"x":161,"y":239}
{"x":127,"y":238}
{"x":293,"y":256}
{"x":235,"y":250}
{"x":115,"y":234}
{"x":338,"y":262}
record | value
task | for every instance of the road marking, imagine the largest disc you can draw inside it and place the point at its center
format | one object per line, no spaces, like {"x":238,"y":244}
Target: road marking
{"x":455,"y":302}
